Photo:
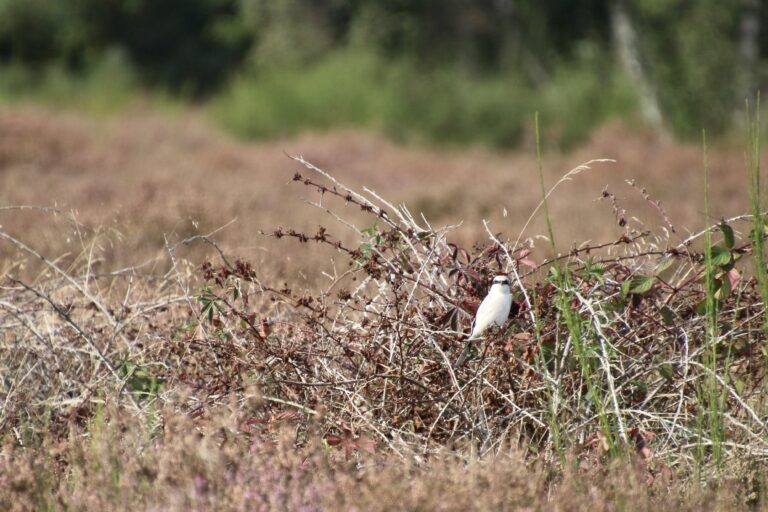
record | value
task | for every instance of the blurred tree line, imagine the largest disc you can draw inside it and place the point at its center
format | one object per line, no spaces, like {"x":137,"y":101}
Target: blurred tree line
{"x":691,"y":63}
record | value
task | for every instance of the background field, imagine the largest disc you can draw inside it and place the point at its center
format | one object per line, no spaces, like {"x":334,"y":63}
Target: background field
{"x":145,"y":175}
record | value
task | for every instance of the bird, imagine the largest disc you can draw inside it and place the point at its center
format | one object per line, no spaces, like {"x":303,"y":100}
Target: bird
{"x":494,"y":310}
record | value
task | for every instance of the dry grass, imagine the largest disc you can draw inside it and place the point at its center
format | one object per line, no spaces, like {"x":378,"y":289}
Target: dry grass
{"x":170,"y":385}
{"x":141,"y":176}
{"x":214,"y":462}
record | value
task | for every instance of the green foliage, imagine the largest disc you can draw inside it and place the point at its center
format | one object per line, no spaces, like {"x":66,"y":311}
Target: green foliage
{"x":582,"y":95}
{"x":355,"y":87}
{"x":715,"y":258}
{"x":188,"y":45}
{"x":344,"y":89}
{"x":140,"y":380}
{"x":192,"y":45}
{"x":586,"y":349}
{"x":638,"y":284}
{"x":36,"y":32}
{"x":449,"y":107}
{"x":438,"y":71}
{"x":286,"y":33}
{"x":758,"y":231}
{"x":210,"y":304}
{"x":694,"y":60}
{"x":107,"y":86}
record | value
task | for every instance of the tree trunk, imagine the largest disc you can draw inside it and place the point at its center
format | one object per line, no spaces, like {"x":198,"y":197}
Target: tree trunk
{"x":749,"y":29}
{"x":625,"y":40}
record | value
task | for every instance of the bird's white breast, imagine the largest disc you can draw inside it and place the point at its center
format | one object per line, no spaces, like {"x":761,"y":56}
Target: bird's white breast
{"x":494,"y":310}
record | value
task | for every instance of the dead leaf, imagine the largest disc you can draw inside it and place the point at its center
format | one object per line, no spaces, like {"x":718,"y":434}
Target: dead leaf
{"x":287,"y":416}
{"x":265,"y":326}
{"x":333,"y":440}
{"x":734,"y":277}
{"x":366,"y":444}
{"x":641,"y":438}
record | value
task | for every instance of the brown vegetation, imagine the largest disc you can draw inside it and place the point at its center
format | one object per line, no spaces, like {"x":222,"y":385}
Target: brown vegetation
{"x":146,"y":176}
{"x":215,"y":463}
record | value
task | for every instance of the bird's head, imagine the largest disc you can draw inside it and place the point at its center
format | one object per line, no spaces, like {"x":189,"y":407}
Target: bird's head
{"x":501,"y":284}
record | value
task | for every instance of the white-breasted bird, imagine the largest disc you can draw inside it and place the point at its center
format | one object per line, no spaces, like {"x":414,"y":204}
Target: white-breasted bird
{"x":494,"y":310}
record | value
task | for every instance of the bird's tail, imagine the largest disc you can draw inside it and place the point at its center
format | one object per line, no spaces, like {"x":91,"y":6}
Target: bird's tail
{"x":464,"y":354}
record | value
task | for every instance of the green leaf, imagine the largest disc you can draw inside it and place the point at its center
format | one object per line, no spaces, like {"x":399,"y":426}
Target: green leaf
{"x":663,"y":264}
{"x":668,"y":315}
{"x":728,"y":236}
{"x":640,"y":386}
{"x":365,"y":253}
{"x":722,"y":288}
{"x":594,"y":270}
{"x":720,"y":256}
{"x":701,"y":307}
{"x":642,"y":284}
{"x":423,"y":235}
{"x":665,"y":370}
{"x":140,"y":380}
{"x":207,"y":308}
{"x":370,"y":230}
{"x":625,"y":287}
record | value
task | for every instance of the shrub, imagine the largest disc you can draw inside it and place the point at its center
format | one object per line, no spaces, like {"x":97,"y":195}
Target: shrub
{"x":444,"y":105}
